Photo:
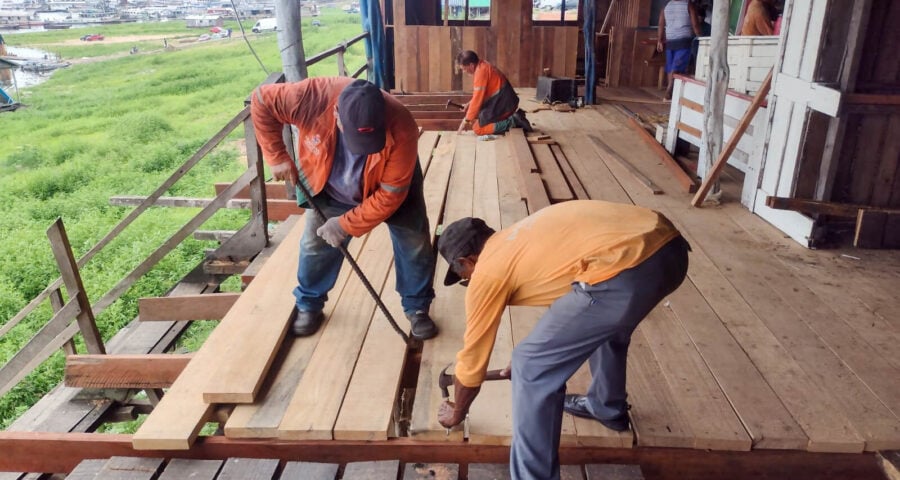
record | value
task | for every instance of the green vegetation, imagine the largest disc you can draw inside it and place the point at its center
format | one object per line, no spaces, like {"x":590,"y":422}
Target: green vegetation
{"x":120,"y":125}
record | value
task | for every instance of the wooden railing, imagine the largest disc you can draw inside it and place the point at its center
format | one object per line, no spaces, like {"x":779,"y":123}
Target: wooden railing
{"x":61,"y":328}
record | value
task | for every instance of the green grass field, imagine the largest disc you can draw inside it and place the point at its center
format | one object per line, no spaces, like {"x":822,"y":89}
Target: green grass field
{"x":119,"y":125}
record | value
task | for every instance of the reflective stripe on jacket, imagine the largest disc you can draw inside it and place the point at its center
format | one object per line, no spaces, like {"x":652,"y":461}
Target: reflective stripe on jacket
{"x":309,"y":105}
{"x":493,"y":98}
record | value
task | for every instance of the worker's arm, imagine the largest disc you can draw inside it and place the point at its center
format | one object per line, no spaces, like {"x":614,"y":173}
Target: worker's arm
{"x":400,"y":160}
{"x":762,"y":23}
{"x":695,"y":19}
{"x":479,"y":87}
{"x":269,"y":122}
{"x":661,"y":32}
{"x":486,"y":298}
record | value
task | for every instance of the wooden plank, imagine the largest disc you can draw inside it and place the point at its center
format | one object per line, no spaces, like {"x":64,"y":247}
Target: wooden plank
{"x":130,"y":468}
{"x":248,"y":469}
{"x":487,"y":423}
{"x":438,"y":352}
{"x":262,"y":418}
{"x":697,"y":395}
{"x":569,"y":173}
{"x":686,"y":181}
{"x":274,"y":241}
{"x":440,"y":125}
{"x":695,"y":132}
{"x":316,"y":401}
{"x":124,"y":371}
{"x":274,"y":191}
{"x":309,"y":471}
{"x":177,"y":419}
{"x":87,"y":469}
{"x":691,"y":105}
{"x":380,"y":470}
{"x":613,"y":472}
{"x":823,"y":208}
{"x":208,"y":306}
{"x":368,"y":404}
{"x":182,"y":468}
{"x":655,"y":419}
{"x":431,"y":471}
{"x":608,"y":153}
{"x":557,"y":188}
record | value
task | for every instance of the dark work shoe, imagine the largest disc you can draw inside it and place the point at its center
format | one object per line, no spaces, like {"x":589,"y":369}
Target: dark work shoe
{"x":520,"y":121}
{"x":423,"y":326}
{"x":305,"y":324}
{"x":577,"y":405}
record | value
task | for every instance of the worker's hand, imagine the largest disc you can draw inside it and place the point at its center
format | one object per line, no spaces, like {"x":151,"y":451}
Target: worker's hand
{"x":284,"y":171}
{"x":507,"y":372}
{"x":462,"y":126}
{"x":660,"y":46}
{"x":452,"y":413}
{"x":332,"y":232}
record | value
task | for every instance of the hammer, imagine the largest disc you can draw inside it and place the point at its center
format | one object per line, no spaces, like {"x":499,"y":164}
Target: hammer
{"x":454,"y":104}
{"x":445,"y":380}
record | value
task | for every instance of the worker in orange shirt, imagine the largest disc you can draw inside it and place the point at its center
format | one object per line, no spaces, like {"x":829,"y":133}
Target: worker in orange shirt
{"x":600,"y":267}
{"x":759,"y":19}
{"x":494,"y":107}
{"x":357,"y":155}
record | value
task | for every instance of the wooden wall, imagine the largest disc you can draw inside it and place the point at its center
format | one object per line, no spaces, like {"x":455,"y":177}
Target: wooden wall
{"x":868,"y":170}
{"x":629,"y":27}
{"x":424,"y":55}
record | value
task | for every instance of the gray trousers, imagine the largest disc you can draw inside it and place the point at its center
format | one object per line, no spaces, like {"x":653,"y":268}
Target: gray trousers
{"x":592,"y":322}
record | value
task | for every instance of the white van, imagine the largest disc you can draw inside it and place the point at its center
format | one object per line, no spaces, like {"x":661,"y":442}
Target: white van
{"x":264,"y":24}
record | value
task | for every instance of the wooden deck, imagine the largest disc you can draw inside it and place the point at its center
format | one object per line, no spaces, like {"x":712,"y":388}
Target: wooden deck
{"x":767,"y":346}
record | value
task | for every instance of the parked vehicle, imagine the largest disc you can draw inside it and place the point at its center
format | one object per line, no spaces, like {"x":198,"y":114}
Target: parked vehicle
{"x":92,"y":37}
{"x":264,"y":24}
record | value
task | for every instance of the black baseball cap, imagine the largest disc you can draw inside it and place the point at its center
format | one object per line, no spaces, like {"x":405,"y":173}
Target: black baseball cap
{"x":462,"y":238}
{"x":361,"y":109}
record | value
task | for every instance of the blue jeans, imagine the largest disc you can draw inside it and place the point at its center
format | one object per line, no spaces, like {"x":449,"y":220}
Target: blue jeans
{"x":594,"y":323}
{"x":320,"y":263}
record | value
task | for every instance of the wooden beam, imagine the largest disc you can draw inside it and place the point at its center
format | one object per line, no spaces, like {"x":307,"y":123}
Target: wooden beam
{"x":224,"y":266}
{"x":446,"y":125}
{"x":124,"y":371}
{"x":733,"y":141}
{"x":274,"y":191}
{"x":278,"y":210}
{"x":68,"y":268}
{"x":606,"y":152}
{"x":61,"y":452}
{"x":686,"y":180}
{"x":213,"y":235}
{"x":823,"y":208}
{"x":207,"y":306}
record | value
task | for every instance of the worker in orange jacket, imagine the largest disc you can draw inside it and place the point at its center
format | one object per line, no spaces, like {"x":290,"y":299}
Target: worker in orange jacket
{"x":358,"y":156}
{"x":493,"y":108}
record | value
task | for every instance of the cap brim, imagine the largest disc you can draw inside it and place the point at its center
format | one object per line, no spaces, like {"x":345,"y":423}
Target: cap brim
{"x":366,"y":144}
{"x":451,"y":277}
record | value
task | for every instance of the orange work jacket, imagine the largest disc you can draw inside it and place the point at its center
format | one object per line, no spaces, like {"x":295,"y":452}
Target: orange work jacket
{"x":493,"y":98}
{"x":310,"y":105}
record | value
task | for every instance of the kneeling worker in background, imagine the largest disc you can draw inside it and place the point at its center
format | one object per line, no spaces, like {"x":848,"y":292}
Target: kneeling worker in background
{"x":494,"y":107}
{"x":601,"y":267}
{"x":358,"y":153}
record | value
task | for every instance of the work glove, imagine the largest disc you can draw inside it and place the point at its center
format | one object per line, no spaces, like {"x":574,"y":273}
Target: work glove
{"x":331,"y":232}
{"x":452,"y":413}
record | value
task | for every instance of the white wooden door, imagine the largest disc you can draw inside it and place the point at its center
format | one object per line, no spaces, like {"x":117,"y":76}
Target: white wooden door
{"x":794,"y":95}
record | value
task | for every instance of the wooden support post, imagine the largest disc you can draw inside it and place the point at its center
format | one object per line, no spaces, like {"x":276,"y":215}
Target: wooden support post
{"x":733,"y":141}
{"x":124,"y":371}
{"x":57,"y":303}
{"x":62,"y":250}
{"x":259,"y":206}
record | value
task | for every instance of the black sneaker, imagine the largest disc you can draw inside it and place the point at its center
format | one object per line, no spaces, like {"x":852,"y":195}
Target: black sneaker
{"x":577,"y":405}
{"x":423,"y":326}
{"x":521,"y":122}
{"x":305,"y":324}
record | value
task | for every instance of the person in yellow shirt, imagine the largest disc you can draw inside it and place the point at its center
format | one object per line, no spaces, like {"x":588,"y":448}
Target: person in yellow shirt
{"x":601,"y":267}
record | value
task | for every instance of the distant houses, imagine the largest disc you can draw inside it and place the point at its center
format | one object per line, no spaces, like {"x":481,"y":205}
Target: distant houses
{"x":204,"y":21}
